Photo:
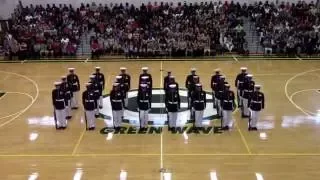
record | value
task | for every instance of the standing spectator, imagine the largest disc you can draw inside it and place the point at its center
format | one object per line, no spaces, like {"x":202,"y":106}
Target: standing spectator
{"x":23,"y":50}
{"x":95,"y":49}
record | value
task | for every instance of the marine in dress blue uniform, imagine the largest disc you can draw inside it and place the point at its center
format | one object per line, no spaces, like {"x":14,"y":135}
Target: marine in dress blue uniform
{"x":89,"y":103}
{"x":256,"y":105}
{"x":199,"y":102}
{"x":190,"y":84}
{"x":172,"y":102}
{"x":248,"y":88}
{"x":74,"y":83}
{"x":146,"y":74}
{"x":144,"y":104}
{"x":117,"y":104}
{"x":214,"y":81}
{"x":97,"y":90}
{"x":99,"y":77}
{"x":127,"y":82}
{"x":227,"y":105}
{"x":58,"y":102}
{"x":65,"y":87}
{"x":239,"y":84}
{"x":219,"y":90}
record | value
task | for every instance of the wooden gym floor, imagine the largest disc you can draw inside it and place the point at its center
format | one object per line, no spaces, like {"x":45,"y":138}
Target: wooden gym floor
{"x":285,"y":148}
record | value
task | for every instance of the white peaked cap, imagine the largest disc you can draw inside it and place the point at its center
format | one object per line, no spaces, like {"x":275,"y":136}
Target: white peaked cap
{"x":217,"y":70}
{"x":123,"y":68}
{"x":71,"y":69}
{"x":193,"y":69}
{"x":243,"y":68}
{"x":57,"y":83}
{"x":145,"y":68}
{"x":98,"y":67}
{"x":172,"y":77}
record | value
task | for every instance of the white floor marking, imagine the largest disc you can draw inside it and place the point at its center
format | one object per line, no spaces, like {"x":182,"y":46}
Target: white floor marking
{"x":161,"y":136}
{"x":33,"y":100}
{"x":290,"y":97}
{"x":234,"y":57}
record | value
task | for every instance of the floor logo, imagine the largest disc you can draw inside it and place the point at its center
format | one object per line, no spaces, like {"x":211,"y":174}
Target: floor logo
{"x":157,"y":114}
{"x":2,"y":93}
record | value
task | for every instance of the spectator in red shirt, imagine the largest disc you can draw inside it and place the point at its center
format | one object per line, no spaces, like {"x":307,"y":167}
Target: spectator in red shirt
{"x":95,"y":49}
{"x":56,"y":46}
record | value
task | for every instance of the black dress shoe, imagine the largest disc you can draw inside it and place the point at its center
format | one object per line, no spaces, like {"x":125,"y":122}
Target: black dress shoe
{"x":74,"y":108}
{"x":68,"y":117}
{"x":64,"y":127}
{"x":255,"y":129}
{"x":226,"y":128}
{"x":250,"y":129}
{"x":100,"y":107}
{"x":96,"y":115}
{"x":92,"y":128}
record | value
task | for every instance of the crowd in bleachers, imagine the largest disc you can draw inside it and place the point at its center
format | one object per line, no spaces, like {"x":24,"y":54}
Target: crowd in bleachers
{"x":154,"y":29}
{"x":162,"y":29}
{"x":37,"y":31}
{"x":287,"y":28}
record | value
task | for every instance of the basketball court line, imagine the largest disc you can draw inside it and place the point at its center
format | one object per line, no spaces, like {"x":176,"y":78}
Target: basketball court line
{"x":216,"y":58}
{"x":78,"y":142}
{"x":157,"y":154}
{"x":286,"y":89}
{"x":3,"y":117}
{"x":298,"y":58}
{"x":244,"y":141}
{"x":234,"y":57}
{"x":5,"y":78}
{"x":13,"y":114}
{"x":32,"y":102}
{"x":305,"y":90}
{"x":161,"y":135}
{"x":75,"y":149}
{"x":22,"y":93}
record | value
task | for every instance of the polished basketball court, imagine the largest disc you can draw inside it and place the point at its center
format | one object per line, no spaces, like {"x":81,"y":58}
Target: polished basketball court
{"x":286,"y":147}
